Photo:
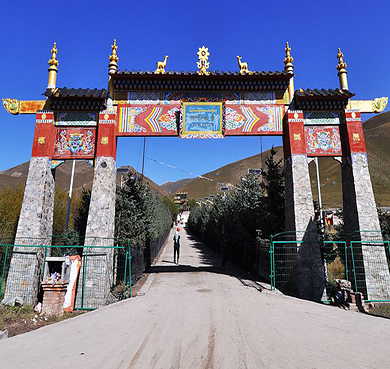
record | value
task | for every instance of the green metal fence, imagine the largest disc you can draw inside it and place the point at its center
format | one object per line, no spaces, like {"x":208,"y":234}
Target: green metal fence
{"x":33,"y":249}
{"x":370,"y":248}
{"x":343,"y":259}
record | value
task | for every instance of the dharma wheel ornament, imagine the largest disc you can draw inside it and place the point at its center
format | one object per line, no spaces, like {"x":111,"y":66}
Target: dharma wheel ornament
{"x":203,"y":64}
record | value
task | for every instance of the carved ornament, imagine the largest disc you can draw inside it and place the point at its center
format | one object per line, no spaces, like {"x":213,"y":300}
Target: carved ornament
{"x":41,"y":140}
{"x":161,"y":66}
{"x":104,"y":140}
{"x":203,"y":64}
{"x":379,"y":104}
{"x":243,"y":66}
{"x":12,"y":105}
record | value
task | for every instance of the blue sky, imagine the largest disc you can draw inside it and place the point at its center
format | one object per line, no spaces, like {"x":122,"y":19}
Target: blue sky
{"x":148,"y":30}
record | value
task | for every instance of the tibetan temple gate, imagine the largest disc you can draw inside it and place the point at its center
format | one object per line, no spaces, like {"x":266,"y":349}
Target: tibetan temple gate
{"x":85,"y":123}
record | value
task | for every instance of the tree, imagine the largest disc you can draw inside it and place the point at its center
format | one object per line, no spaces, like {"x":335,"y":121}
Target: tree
{"x":171,"y":207}
{"x":81,"y":217}
{"x":273,"y":187}
{"x":140,"y":216}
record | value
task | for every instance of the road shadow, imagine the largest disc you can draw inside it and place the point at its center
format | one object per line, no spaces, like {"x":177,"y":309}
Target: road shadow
{"x":211,"y":263}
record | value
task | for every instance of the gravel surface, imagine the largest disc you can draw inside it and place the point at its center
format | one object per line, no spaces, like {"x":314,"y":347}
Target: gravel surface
{"x":195,"y":315}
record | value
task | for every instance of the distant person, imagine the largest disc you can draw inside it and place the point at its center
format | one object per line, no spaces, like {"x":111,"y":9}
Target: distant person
{"x":176,"y":246}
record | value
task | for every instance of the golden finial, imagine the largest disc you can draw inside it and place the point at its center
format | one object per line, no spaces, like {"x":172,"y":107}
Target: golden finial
{"x":341,"y":67}
{"x":53,"y":70}
{"x":342,"y":64}
{"x":53,"y":62}
{"x":203,"y":64}
{"x":161,"y":66}
{"x":288,"y":60}
{"x":113,"y":58}
{"x":243,"y":66}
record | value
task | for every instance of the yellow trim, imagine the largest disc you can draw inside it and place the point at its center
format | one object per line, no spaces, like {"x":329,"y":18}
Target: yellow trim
{"x":220,"y":104}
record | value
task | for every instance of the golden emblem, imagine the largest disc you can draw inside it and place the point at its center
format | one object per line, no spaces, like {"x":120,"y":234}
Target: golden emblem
{"x":43,"y":116}
{"x":243,"y":66}
{"x":12,"y":105}
{"x":161,"y":66}
{"x":106,"y":116}
{"x":356,"y":136}
{"x":203,"y":64}
{"x":104,"y":140}
{"x":41,"y":140}
{"x":297,"y":137}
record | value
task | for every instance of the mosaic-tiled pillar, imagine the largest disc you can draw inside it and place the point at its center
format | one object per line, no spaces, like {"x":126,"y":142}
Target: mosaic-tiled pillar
{"x":360,"y":212}
{"x":307,"y":277}
{"x":36,"y":217}
{"x":96,"y":277}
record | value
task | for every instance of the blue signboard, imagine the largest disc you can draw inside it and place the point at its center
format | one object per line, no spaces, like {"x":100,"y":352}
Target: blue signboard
{"x":202,"y":118}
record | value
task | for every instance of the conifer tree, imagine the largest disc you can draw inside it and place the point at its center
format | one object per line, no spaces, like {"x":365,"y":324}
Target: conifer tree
{"x":273,"y":187}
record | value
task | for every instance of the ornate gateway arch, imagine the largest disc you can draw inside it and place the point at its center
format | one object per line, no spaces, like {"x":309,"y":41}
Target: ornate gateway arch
{"x":84,"y":124}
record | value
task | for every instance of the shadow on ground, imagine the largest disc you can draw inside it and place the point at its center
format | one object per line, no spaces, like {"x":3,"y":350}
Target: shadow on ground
{"x":211,"y":263}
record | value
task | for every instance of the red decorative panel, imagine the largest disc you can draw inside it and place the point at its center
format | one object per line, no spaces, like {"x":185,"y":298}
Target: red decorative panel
{"x":355,"y":132}
{"x":253,"y":119}
{"x":106,"y":142}
{"x":75,"y":143}
{"x":43,"y":134}
{"x":323,"y":141}
{"x":147,"y":120}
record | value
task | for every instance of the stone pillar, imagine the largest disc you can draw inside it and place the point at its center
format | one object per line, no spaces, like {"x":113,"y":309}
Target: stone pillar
{"x":36,"y":217}
{"x":359,"y":209}
{"x":96,"y":274}
{"x":307,"y":278}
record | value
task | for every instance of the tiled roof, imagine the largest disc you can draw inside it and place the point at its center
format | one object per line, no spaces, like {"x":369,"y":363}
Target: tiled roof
{"x":322,"y":99}
{"x":76,"y":99}
{"x":323,"y":93}
{"x":76,"y":92}
{"x":194,"y":73}
{"x":192,"y":81}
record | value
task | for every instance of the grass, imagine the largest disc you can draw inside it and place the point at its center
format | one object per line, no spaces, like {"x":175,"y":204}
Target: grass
{"x":380,"y":309}
{"x":22,"y":319}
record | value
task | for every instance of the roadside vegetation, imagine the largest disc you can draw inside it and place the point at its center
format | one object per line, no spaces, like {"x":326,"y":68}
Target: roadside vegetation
{"x":254,"y":208}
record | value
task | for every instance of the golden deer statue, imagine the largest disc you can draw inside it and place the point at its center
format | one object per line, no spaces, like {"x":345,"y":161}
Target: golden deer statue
{"x":243,"y":66}
{"x":161,"y":66}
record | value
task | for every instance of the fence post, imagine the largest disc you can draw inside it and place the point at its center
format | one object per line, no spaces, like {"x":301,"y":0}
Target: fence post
{"x":84,"y":274}
{"x":2,"y":275}
{"x":124,"y":282}
{"x":271,"y":251}
{"x":353,"y":266}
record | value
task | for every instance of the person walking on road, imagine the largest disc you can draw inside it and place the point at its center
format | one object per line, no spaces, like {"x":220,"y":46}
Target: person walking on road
{"x":176,"y":246}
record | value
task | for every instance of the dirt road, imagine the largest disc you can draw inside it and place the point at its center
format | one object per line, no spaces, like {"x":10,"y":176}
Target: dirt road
{"x":196,"y":316}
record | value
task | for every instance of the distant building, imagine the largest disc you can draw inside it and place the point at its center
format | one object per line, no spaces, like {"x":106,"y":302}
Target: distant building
{"x":181,"y":199}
